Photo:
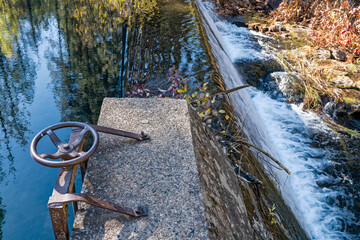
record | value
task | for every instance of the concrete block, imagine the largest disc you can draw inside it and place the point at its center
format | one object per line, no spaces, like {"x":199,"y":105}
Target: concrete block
{"x":181,"y":175}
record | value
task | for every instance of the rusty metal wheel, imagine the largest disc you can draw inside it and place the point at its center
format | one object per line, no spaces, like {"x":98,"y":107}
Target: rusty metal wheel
{"x":68,"y":153}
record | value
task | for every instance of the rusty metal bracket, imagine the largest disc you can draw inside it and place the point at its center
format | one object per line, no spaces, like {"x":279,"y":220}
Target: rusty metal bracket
{"x":81,"y":197}
{"x":71,"y":155}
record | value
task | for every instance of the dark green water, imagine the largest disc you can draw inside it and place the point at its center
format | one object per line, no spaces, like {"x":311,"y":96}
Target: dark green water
{"x":55,"y":67}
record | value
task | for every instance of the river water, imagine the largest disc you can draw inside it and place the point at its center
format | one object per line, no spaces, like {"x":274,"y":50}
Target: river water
{"x":56,"y":66}
{"x":59,"y":59}
{"x":323,"y":189}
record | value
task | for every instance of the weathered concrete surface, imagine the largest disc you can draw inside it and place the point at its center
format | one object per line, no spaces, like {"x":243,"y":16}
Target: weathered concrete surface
{"x":181,"y":175}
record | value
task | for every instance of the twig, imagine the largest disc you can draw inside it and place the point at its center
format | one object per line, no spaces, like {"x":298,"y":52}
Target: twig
{"x":259,"y":149}
{"x":231,"y":90}
{"x":266,"y":154}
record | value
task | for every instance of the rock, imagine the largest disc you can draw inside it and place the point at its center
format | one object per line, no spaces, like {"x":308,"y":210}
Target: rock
{"x":329,"y":109}
{"x":286,"y":35}
{"x":323,"y":53}
{"x":264,"y":28}
{"x":282,"y":28}
{"x":242,"y":10}
{"x":273,"y":4}
{"x":254,"y":26}
{"x":272,"y":28}
{"x":355,"y":110}
{"x":338,"y":55}
{"x":341,"y":110}
{"x":287,"y":84}
{"x":277,"y":28}
{"x":240,"y":24}
{"x":343,"y":82}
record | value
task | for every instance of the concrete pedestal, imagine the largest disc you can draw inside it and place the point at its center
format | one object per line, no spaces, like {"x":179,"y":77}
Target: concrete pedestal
{"x":181,"y":176}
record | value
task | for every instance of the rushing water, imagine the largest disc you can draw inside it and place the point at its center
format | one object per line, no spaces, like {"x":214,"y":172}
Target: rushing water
{"x":55,"y":66}
{"x":324,"y":184}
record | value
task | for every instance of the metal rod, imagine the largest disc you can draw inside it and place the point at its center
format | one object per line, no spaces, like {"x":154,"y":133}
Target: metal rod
{"x":142,"y":136}
{"x":80,"y":197}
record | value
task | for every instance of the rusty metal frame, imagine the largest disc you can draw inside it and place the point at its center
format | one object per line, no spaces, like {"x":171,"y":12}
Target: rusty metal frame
{"x":64,"y":190}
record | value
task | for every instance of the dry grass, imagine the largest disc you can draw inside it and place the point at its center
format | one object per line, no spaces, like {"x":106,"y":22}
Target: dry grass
{"x":317,"y":75}
{"x":332,"y":23}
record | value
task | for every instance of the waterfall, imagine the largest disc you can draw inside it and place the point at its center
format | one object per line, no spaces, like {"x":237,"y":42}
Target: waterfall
{"x":241,"y":101}
{"x":320,"y":198}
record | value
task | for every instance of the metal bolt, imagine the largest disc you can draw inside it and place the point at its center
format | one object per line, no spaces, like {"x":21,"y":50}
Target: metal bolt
{"x":143,"y":135}
{"x":66,"y":146}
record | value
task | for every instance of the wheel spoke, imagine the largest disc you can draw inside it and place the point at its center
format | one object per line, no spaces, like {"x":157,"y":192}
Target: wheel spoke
{"x":73,"y":154}
{"x":56,"y":141}
{"x":80,"y":138}
{"x":56,"y":155}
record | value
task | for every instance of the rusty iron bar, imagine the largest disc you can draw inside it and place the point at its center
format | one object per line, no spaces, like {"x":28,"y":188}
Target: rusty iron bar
{"x":141,"y":137}
{"x":81,"y":197}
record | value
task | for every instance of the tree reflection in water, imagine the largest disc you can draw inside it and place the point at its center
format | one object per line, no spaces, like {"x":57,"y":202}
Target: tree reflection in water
{"x":100,"y":57}
{"x":88,"y":59}
{"x":17,"y":73}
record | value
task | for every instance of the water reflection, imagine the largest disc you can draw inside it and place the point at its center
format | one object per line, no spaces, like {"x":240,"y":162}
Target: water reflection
{"x":171,"y":38}
{"x":17,"y":73}
{"x":58,"y":60}
{"x":93,"y":58}
{"x":86,"y":55}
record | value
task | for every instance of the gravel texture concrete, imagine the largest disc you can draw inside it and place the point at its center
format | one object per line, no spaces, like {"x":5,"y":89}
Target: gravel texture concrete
{"x":181,"y":175}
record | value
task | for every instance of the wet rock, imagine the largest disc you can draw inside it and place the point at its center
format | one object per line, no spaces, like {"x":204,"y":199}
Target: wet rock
{"x":338,"y":55}
{"x":335,"y":110}
{"x":342,"y":111}
{"x":288,"y":84}
{"x":329,"y":109}
{"x":355,"y":109}
{"x":343,"y":82}
{"x":323,"y":53}
{"x":240,"y":24}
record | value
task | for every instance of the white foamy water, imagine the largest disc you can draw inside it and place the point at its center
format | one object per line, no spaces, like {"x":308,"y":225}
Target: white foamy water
{"x":287,"y":126}
{"x":290,"y":130}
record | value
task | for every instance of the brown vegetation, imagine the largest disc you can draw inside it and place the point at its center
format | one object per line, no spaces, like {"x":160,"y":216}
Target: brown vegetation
{"x":333,"y":24}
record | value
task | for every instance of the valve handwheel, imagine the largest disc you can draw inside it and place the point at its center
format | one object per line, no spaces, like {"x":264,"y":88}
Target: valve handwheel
{"x":67,"y":152}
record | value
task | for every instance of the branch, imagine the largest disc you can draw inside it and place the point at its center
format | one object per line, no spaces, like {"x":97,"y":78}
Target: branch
{"x":266,"y":154}
{"x":231,"y":90}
